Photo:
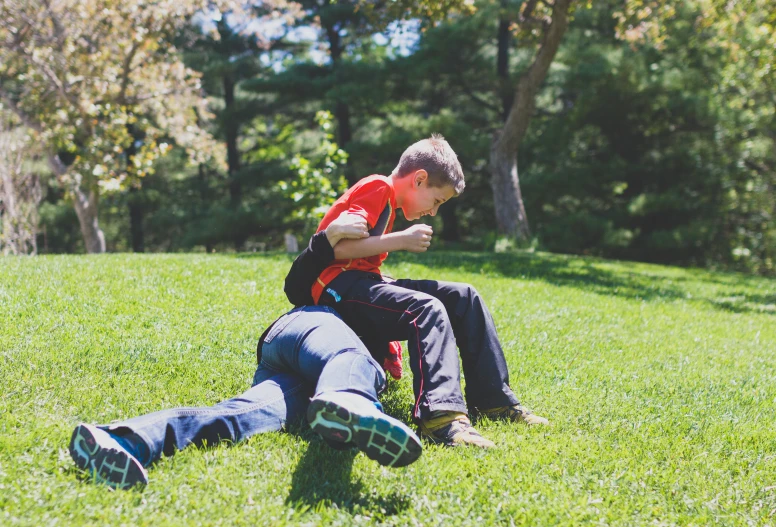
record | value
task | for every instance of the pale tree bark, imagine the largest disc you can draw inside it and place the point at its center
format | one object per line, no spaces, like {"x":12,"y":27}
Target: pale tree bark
{"x":511,"y":218}
{"x":85,"y":202}
{"x":20,"y":195}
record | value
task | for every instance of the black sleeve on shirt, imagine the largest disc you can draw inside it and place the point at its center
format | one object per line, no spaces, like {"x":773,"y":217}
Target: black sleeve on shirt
{"x":306,"y":269}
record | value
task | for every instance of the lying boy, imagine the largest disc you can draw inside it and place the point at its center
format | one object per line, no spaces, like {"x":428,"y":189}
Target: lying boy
{"x":432,"y":316}
{"x":307,"y":352}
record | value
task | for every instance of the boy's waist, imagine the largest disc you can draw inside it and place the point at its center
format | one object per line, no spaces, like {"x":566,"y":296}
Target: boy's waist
{"x":332,"y":272}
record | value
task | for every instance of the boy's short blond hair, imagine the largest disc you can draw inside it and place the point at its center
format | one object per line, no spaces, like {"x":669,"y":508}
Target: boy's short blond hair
{"x":437,"y":158}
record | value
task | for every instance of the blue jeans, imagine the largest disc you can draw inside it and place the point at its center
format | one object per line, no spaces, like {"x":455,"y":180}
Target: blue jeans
{"x":309,"y":350}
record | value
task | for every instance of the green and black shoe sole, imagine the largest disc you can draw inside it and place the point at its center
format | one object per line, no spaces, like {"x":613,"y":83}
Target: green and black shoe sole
{"x":381,"y":437}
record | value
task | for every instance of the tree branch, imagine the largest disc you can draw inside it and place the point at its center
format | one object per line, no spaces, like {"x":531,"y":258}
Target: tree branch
{"x":533,"y":21}
{"x":476,"y":98}
{"x":45,"y":68}
{"x":59,"y":31}
{"x":525,"y":92}
{"x":21,"y":114}
{"x":149,"y":96}
{"x":527,"y":11}
{"x":126,"y":70}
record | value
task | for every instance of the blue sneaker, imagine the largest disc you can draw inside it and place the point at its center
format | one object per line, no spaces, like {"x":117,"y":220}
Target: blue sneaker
{"x":342,"y":417}
{"x":95,"y":451}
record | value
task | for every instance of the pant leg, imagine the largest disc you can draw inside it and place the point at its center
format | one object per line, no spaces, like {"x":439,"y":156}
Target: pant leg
{"x":316,"y":344}
{"x":391,"y":312}
{"x":275,"y":399}
{"x":484,"y":365}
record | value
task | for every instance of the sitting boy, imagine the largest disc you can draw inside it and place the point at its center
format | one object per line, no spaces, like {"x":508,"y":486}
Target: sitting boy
{"x":432,"y":316}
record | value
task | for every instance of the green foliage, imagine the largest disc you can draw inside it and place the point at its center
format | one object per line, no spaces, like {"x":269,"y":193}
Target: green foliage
{"x":658,"y":382}
{"x":632,"y":155}
{"x":318,"y":177}
{"x":84,"y":75}
{"x":428,"y":11}
{"x":653,"y":138}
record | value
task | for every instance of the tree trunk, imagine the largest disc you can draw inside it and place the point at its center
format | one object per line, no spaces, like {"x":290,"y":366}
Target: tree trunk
{"x":341,"y":108}
{"x":85,"y":208}
{"x":232,"y":130}
{"x":511,"y":218}
{"x":136,"y":220}
{"x":232,"y":153}
{"x":502,"y":60}
{"x":204,"y":196}
{"x":450,"y":227}
{"x":344,"y":132}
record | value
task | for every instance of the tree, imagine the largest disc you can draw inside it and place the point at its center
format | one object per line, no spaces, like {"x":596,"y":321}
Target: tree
{"x":550,"y":26}
{"x":90,"y":76}
{"x":342,"y":83}
{"x":742,"y":36}
{"x":78,"y":73}
{"x":227,"y":57}
{"x":20,"y":193}
{"x":539,"y":22}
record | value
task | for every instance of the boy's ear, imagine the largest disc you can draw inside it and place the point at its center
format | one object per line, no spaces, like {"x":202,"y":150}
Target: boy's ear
{"x":420,"y":176}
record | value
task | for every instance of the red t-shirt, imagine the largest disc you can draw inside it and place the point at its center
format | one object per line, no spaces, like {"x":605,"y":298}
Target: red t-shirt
{"x":373,"y":199}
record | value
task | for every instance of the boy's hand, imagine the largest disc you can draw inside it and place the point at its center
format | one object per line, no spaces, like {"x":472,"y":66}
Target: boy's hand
{"x":417,"y":238}
{"x":351,"y":226}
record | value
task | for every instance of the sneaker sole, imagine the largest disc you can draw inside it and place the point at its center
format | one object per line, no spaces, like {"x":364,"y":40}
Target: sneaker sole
{"x":107,"y":465}
{"x":382,"y":438}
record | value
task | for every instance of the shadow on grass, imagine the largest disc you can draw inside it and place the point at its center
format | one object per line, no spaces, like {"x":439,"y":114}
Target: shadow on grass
{"x":742,"y":302}
{"x":589,"y":274}
{"x":324,"y":478}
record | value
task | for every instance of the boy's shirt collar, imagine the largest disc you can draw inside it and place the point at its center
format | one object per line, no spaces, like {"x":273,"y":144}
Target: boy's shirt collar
{"x":392,"y":197}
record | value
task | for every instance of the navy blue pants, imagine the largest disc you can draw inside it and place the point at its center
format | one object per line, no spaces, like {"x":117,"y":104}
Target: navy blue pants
{"x":433,"y":317}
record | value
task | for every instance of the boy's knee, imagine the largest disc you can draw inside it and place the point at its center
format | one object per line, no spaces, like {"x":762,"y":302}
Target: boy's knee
{"x":431,"y":304}
{"x":462,"y":290}
{"x":467,"y":298}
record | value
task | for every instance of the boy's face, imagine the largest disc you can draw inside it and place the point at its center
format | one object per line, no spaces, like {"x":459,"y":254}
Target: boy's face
{"x":423,"y":199}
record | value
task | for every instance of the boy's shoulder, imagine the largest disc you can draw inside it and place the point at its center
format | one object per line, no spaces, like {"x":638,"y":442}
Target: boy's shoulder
{"x":371,"y":191}
{"x":374,"y":182}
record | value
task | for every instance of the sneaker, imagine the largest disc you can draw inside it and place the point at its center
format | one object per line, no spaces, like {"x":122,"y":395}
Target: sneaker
{"x":452,"y":429}
{"x":95,"y":451}
{"x":515,"y":413}
{"x":343,"y":417}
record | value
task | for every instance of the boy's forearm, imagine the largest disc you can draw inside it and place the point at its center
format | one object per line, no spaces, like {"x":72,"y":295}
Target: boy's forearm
{"x":371,"y":246}
{"x":334,"y":234}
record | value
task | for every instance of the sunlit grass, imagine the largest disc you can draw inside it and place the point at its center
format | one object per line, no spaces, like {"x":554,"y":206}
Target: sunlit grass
{"x":660,"y":383}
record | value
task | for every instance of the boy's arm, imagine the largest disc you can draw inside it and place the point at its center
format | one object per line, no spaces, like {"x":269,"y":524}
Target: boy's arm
{"x":317,"y":256}
{"x":415,"y":239}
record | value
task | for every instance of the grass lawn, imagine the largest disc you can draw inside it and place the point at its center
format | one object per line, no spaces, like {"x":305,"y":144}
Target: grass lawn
{"x":660,"y":383}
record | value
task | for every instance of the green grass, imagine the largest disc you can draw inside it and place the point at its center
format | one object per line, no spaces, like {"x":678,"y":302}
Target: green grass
{"x":660,"y":383}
